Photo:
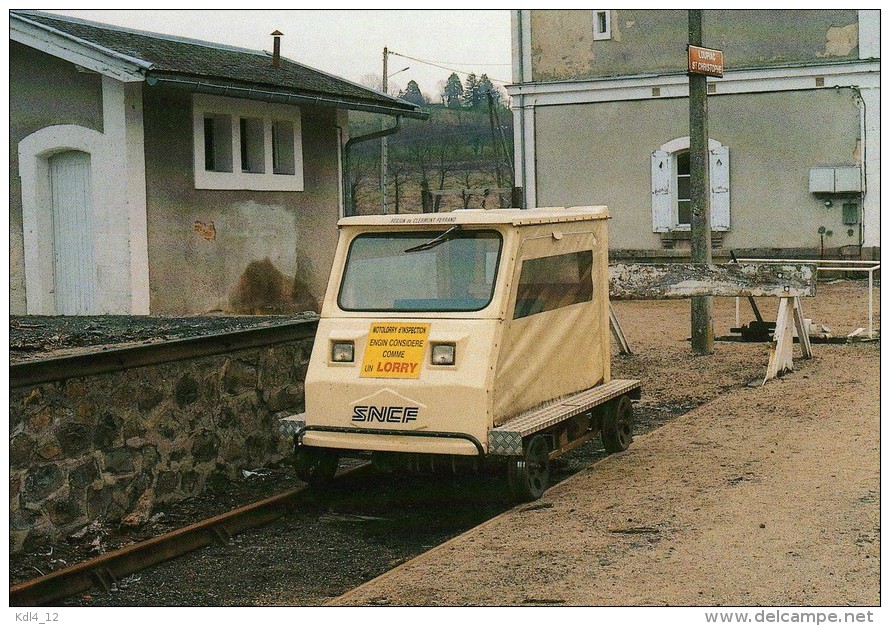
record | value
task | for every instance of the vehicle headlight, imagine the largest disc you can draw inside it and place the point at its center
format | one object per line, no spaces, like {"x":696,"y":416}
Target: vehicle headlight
{"x":342,"y":352}
{"x":443,"y":354}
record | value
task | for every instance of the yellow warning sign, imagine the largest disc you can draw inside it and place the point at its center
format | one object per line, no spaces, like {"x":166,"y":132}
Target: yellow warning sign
{"x":394,"y":350}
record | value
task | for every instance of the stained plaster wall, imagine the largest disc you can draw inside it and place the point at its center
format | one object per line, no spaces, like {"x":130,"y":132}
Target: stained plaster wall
{"x":240,"y":251}
{"x":600,"y":154}
{"x":43,"y":91}
{"x":645,"y":41}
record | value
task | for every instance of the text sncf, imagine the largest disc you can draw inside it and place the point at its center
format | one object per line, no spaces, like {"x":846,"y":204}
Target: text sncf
{"x":385,"y":414}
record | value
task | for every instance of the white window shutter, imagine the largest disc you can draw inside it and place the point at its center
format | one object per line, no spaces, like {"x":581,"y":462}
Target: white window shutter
{"x":719,"y":174}
{"x":661,"y":191}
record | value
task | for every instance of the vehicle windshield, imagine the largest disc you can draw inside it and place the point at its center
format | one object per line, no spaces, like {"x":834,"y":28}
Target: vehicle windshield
{"x":415,"y":272}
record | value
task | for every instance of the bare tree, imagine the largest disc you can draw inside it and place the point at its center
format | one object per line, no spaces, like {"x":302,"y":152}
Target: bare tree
{"x":373,"y":81}
{"x":467,"y":180}
{"x":364,"y":165}
{"x":444,"y":158}
{"x":398,"y":174}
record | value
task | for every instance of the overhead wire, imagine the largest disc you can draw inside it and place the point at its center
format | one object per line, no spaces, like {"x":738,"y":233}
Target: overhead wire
{"x":450,"y":69}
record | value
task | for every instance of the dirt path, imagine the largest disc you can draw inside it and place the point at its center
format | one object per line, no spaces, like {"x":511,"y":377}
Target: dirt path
{"x":763,"y":496}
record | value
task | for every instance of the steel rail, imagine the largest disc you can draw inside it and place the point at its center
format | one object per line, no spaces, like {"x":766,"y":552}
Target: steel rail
{"x":87,"y":364}
{"x":106,"y":570}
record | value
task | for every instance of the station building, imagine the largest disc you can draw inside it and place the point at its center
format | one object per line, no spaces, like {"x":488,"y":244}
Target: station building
{"x":601,"y":116}
{"x":152,"y":174}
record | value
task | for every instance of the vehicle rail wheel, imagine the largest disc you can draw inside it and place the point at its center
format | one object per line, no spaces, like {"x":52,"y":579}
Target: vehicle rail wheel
{"x":529,"y":475}
{"x":618,"y":426}
{"x":316,"y":466}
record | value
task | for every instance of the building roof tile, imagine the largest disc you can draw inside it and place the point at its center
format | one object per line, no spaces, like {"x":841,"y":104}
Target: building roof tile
{"x":179,"y":57}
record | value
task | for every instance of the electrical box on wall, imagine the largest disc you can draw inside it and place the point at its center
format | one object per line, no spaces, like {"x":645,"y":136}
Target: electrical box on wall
{"x":843,"y":180}
{"x":847,"y":180}
{"x":821,"y":180}
{"x":850,"y":213}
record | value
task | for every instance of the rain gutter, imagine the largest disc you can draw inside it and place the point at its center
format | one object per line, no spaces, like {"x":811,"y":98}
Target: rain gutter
{"x":154,"y":79}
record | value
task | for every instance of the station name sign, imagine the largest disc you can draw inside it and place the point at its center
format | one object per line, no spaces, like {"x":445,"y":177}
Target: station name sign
{"x":705,"y":61}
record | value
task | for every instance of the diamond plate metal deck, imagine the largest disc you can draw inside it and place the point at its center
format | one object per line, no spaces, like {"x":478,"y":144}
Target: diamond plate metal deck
{"x":292,"y":424}
{"x":504,"y":443}
{"x":507,"y":438}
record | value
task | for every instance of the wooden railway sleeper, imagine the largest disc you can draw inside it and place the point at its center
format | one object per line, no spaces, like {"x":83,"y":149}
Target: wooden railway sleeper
{"x":221,"y":535}
{"x":104,"y":578}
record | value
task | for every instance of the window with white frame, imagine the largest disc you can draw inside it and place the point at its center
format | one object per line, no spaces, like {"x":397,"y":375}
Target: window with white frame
{"x":283,"y":147}
{"x":602,"y":25}
{"x":671,"y":203}
{"x":243,"y":144}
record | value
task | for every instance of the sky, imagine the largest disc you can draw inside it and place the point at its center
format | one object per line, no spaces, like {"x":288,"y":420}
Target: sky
{"x":348,"y":43}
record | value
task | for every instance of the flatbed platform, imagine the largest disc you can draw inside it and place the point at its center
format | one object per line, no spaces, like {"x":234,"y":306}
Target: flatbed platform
{"x":506,"y":439}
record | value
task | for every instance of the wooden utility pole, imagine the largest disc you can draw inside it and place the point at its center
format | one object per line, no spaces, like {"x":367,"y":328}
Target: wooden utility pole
{"x":383,"y":146}
{"x":494,"y":141}
{"x":702,"y":315}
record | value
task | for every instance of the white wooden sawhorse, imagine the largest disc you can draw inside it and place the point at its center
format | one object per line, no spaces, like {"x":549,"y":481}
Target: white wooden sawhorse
{"x":617,"y":333}
{"x":781,"y":351}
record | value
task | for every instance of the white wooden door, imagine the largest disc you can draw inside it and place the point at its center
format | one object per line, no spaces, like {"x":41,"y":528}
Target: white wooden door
{"x":74,"y":268}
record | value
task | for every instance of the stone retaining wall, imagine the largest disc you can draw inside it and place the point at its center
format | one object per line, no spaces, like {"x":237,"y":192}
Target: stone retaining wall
{"x":110,"y":446}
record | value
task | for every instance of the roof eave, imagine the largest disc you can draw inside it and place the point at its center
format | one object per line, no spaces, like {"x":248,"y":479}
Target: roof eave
{"x":221,"y":87}
{"x":78,"y":51}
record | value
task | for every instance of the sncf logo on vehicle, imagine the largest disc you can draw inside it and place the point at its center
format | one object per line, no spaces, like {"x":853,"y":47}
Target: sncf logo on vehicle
{"x":384,"y":414}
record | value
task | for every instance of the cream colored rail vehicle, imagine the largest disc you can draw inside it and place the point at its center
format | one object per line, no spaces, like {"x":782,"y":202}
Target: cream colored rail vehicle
{"x":467,"y":339}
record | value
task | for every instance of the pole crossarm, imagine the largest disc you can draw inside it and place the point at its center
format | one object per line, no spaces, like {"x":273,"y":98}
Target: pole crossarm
{"x":659,"y":281}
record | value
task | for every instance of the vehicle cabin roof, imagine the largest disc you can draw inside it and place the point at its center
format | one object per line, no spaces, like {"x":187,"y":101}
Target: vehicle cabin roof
{"x":482,"y":217}
{"x":168,"y":57}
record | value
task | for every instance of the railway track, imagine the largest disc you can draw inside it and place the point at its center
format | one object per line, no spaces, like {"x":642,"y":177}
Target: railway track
{"x":107,"y":570}
{"x":296,"y":548}
{"x":302,"y":549}
{"x":357,"y":498}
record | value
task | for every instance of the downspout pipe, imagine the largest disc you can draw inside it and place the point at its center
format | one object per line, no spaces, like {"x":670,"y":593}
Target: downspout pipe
{"x":863,"y":170}
{"x":349,"y":209}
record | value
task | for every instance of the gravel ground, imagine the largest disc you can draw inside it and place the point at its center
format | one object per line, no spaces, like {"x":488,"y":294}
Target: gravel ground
{"x":34,"y":337}
{"x":368,"y":524}
{"x":765,"y":497}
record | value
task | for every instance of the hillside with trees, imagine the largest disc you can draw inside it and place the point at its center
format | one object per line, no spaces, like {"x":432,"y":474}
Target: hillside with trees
{"x":448,"y":161}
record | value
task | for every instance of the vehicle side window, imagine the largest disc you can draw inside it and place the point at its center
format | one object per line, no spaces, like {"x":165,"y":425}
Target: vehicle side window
{"x":553,"y":282}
